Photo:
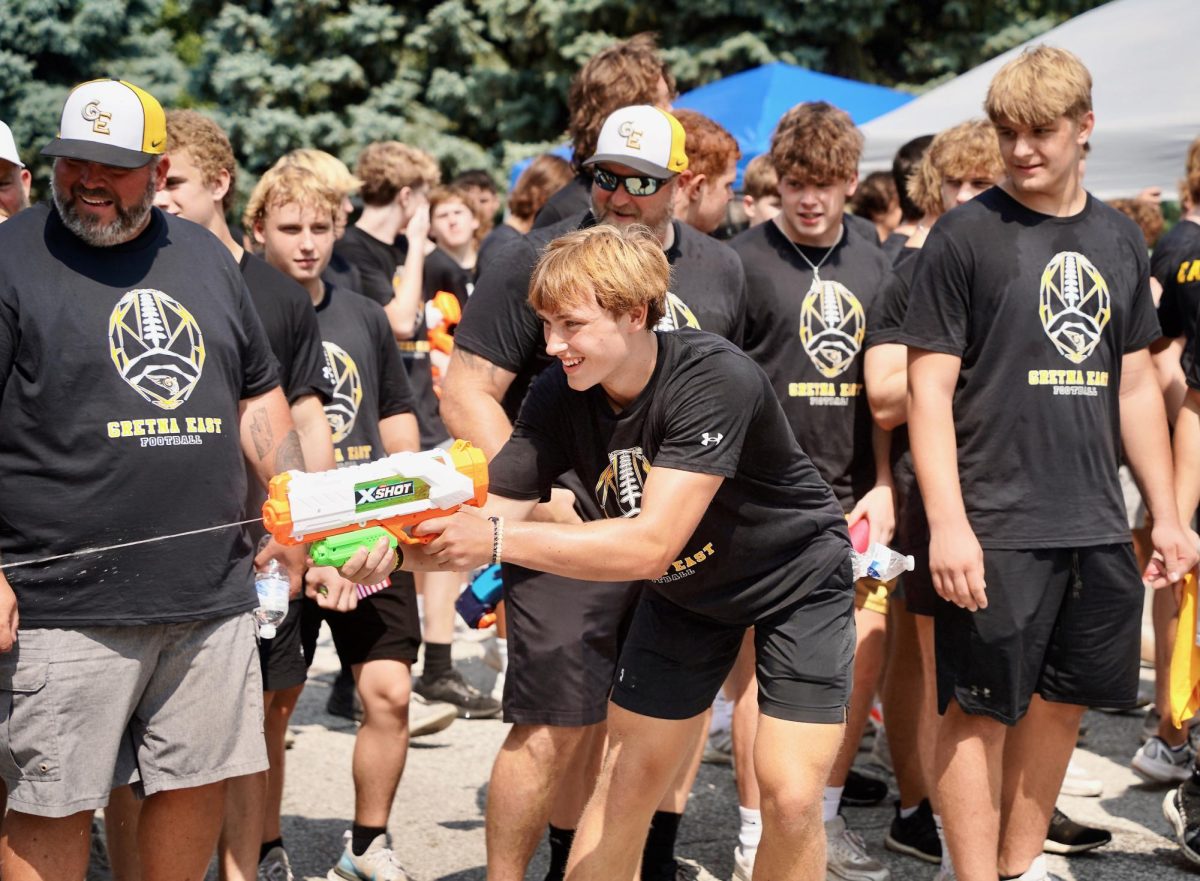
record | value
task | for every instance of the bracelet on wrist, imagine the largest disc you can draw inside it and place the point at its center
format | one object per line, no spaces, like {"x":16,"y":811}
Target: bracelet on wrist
{"x":497,"y":539}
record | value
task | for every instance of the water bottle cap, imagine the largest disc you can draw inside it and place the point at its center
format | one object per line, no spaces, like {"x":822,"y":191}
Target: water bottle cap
{"x":266,"y":631}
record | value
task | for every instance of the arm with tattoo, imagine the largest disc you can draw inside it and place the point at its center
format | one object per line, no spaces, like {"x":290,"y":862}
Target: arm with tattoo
{"x":269,"y":439}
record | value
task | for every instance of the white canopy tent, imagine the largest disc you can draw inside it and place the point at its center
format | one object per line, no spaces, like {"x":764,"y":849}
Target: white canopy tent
{"x":1146,"y":94}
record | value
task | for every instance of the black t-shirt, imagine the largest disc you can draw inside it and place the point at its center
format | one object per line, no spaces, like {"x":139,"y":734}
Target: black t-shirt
{"x":707,"y":292}
{"x":342,"y":273}
{"x":493,"y":243}
{"x":571,"y":199}
{"x":893,"y":244}
{"x":1041,"y":311}
{"x":121,"y":370}
{"x":810,"y":344}
{"x":1176,"y":265}
{"x":369,"y":381}
{"x":444,"y":273}
{"x":772,"y":532}
{"x":376,"y":262}
{"x":286,"y":313}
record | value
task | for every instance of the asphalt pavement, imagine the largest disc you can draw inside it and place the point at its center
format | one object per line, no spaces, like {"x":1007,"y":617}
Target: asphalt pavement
{"x":437,"y":820}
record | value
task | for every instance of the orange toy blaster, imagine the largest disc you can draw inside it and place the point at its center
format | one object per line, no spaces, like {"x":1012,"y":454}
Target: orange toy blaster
{"x":344,"y":509}
{"x":442,"y":315}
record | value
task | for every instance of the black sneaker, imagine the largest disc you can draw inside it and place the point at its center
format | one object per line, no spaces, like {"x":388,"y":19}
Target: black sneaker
{"x":1181,"y":807}
{"x":916,"y":836}
{"x":1065,"y":836}
{"x":451,"y":688}
{"x":343,"y":699}
{"x":862,"y":791}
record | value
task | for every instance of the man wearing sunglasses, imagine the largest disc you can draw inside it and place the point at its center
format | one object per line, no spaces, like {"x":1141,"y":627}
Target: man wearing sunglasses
{"x":564,"y":635}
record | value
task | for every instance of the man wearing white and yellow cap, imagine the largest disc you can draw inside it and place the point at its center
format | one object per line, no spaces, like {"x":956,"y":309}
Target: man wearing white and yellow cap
{"x":132,"y":366}
{"x":14,"y":176}
{"x":564,"y":635}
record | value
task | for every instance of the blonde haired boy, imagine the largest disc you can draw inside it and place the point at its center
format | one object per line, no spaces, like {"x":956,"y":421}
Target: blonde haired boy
{"x":1027,"y":329}
{"x":686,"y":446}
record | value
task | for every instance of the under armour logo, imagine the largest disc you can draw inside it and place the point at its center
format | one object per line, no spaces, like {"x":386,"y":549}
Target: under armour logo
{"x":707,"y":439}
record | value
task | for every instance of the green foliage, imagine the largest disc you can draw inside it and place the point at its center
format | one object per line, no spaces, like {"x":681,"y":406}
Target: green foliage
{"x":475,"y":82}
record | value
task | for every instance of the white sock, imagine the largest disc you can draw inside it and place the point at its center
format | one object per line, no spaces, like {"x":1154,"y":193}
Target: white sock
{"x":829,"y":805}
{"x":502,"y":652}
{"x":946,"y":864}
{"x":751,"y":831}
{"x":1036,"y":870}
{"x":905,"y":813}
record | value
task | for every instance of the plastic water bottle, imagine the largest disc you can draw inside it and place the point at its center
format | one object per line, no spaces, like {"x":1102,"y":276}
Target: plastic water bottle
{"x":880,"y":563}
{"x":273,"y":587}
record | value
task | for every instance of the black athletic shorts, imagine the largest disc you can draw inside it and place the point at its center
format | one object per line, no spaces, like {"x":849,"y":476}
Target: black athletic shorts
{"x":564,"y":637}
{"x":384,"y":626}
{"x":282,"y":658}
{"x":674,"y":661}
{"x":912,"y":537}
{"x":1065,"y":624}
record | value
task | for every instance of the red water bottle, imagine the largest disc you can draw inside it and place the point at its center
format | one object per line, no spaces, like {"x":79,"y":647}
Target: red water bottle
{"x":860,"y":535}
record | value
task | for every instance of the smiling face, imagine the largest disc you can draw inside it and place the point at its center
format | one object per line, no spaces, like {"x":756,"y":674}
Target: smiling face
{"x":621,"y":209}
{"x":811,"y":212}
{"x":298,"y":241}
{"x":1042,"y":160}
{"x":102,"y":204}
{"x":590,"y":343}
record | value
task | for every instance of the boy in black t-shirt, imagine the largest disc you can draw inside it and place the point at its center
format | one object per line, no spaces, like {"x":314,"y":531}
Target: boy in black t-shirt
{"x":711,"y":505}
{"x":291,"y":214}
{"x":811,"y":281}
{"x":200,"y":187}
{"x":557,"y":685}
{"x":1027,"y":329}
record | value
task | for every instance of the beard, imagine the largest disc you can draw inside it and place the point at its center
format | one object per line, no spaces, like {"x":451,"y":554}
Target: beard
{"x":130,"y":219}
{"x":658,"y":219}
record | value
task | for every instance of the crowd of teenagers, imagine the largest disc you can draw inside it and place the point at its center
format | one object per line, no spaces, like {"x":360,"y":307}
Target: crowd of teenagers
{"x":687,"y":405}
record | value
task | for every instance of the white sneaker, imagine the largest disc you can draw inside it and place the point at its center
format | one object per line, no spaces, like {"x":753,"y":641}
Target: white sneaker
{"x":377,"y":863}
{"x":743,"y":863}
{"x":1079,"y":782}
{"x":722,"y":716}
{"x":846,"y":855}
{"x":275,"y":866}
{"x":690,"y":870}
{"x":1157,"y":762}
{"x":429,"y":717}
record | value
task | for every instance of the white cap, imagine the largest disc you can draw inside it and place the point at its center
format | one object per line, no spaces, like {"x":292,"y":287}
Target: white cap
{"x":644,"y":138}
{"x":111,"y":122}
{"x":8,"y":147}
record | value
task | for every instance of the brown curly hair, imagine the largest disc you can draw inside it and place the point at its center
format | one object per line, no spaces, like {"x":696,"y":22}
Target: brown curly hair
{"x":816,"y":142}
{"x":623,"y":74}
{"x":544,"y":177}
{"x":387,"y":167}
{"x":207,"y":145}
{"x":967,"y":148}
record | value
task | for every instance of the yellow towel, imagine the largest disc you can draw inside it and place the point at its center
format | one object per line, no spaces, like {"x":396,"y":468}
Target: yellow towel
{"x":1185,"y":660}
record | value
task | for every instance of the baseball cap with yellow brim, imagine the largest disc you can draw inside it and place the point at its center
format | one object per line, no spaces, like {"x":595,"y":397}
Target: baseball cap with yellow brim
{"x":643,"y":138}
{"x":111,"y":122}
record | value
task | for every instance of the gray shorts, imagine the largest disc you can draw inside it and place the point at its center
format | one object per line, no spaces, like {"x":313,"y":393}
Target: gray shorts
{"x":161,"y":706}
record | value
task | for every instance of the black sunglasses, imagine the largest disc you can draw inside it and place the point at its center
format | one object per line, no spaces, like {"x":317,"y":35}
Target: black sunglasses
{"x":635,"y":185}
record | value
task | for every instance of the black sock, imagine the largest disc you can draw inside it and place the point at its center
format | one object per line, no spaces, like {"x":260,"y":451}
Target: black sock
{"x":362,"y":836}
{"x":345,"y":677}
{"x":560,"y":848}
{"x":1193,"y":782}
{"x":658,"y":856}
{"x":437,"y":660}
{"x":266,"y":846}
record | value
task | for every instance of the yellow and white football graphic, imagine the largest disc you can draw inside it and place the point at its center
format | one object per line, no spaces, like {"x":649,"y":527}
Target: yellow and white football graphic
{"x":678,"y":315}
{"x":619,"y":489}
{"x":157,"y":346}
{"x":341,"y":370}
{"x":1074,"y":305}
{"x":832,"y":327}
